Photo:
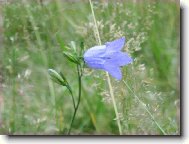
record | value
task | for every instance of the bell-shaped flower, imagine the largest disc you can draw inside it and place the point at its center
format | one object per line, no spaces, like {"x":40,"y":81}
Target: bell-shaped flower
{"x":108,"y":57}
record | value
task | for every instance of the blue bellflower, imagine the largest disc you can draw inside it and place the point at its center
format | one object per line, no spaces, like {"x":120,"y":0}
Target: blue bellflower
{"x":108,"y":57}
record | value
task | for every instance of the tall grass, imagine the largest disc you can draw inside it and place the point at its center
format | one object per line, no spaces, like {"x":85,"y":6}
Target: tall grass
{"x":35,"y":36}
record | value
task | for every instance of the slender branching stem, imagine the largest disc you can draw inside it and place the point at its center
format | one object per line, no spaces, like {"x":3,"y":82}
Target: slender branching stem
{"x":79,"y":96}
{"x":145,"y":107}
{"x":107,"y":75}
{"x":71,"y":93}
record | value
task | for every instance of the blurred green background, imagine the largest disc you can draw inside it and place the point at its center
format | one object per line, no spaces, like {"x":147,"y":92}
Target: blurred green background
{"x":31,"y":103}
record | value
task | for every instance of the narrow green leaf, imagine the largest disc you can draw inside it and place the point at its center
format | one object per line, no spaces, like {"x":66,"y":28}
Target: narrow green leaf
{"x":73,"y":45}
{"x":82,"y":48}
{"x":71,"y":57}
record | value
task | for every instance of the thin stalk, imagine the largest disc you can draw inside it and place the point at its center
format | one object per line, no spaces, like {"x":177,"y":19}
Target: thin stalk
{"x":107,"y":75}
{"x":79,"y":97}
{"x":114,"y":104}
{"x":144,"y":105}
{"x":71,"y":93}
{"x":96,"y":27}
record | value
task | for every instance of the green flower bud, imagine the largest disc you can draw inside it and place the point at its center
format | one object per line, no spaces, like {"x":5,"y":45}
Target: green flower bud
{"x":56,"y":77}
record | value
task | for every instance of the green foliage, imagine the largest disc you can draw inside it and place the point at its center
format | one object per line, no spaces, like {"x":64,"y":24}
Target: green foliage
{"x":36,"y":38}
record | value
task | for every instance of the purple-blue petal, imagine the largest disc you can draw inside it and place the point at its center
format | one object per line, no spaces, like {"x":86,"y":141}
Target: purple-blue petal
{"x":108,"y":57}
{"x":120,"y":59}
{"x":96,"y":63}
{"x":96,"y":51}
{"x":113,"y":70}
{"x":93,"y":57}
{"x":115,"y":45}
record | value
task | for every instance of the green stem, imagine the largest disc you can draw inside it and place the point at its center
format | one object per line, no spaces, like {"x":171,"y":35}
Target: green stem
{"x":71,"y":93}
{"x":107,"y":75}
{"x":144,"y":105}
{"x":79,"y":97}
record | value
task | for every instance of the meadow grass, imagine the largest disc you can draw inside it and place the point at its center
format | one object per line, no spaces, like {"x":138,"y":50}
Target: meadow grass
{"x":35,"y":36}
